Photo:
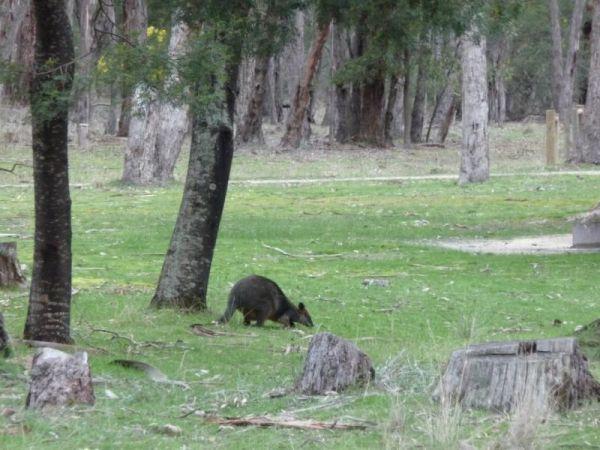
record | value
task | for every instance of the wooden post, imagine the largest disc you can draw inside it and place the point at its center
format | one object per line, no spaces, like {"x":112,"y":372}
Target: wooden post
{"x":551,"y":137}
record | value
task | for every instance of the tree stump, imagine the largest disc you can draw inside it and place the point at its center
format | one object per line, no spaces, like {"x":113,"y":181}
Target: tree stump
{"x":504,"y":376}
{"x":333,"y":364}
{"x":10,"y":270}
{"x":4,"y":339}
{"x":59,"y":379}
{"x":589,"y":339}
{"x":586,"y":231}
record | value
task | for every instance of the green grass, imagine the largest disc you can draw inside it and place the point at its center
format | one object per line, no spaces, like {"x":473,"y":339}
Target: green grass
{"x":437,"y":300}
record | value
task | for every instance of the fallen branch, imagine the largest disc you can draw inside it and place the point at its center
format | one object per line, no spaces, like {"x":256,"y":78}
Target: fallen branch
{"x":291,"y":255}
{"x":200,"y":330}
{"x":15,"y":165}
{"x":289,"y":423}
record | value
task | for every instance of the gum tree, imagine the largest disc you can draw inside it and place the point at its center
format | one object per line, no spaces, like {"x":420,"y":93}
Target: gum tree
{"x":48,"y":316}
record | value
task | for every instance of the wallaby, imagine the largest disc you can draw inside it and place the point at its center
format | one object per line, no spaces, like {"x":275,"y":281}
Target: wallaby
{"x":259,"y":299}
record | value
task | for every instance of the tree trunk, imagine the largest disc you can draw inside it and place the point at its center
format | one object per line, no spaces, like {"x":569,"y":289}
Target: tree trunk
{"x":59,"y":379}
{"x":448,"y":118}
{"x":333,"y":364}
{"x":418,"y":110}
{"x":390,"y":111}
{"x":10,"y":269}
{"x":273,"y":101}
{"x":48,"y":316}
{"x":185,"y":273}
{"x":497,"y":88}
{"x":300,"y":107}
{"x":86,"y":10}
{"x":291,"y":63}
{"x":406,"y":107}
{"x":17,"y":37}
{"x":357,"y":48}
{"x":505,"y":376}
{"x":564,"y":70}
{"x":251,"y":128}
{"x":372,"y":111}
{"x":157,"y":128}
{"x":447,"y":95}
{"x":474,"y":157}
{"x":135,"y":23}
{"x":338,"y":127}
{"x":589,"y":143}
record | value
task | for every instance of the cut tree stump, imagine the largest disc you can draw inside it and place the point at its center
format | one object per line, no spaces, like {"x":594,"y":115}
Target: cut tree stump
{"x":59,"y":379}
{"x":586,"y":231}
{"x":504,"y":376}
{"x":589,"y":339}
{"x":333,"y":364}
{"x":10,"y":270}
{"x":4,"y":339}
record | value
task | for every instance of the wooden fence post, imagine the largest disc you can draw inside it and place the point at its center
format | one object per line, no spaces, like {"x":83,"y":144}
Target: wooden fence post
{"x":551,"y":137}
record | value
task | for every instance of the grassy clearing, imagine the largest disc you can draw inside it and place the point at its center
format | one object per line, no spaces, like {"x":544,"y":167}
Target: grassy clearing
{"x":341,"y":233}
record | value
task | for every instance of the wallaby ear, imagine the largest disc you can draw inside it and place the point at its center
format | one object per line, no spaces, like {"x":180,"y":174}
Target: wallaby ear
{"x":301,"y":306}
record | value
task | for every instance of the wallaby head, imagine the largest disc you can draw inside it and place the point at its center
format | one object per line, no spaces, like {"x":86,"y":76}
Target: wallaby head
{"x":303,"y":316}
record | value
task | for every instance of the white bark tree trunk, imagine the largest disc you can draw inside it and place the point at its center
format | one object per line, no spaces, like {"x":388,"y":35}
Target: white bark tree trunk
{"x":475,"y":163}
{"x":86,"y":10}
{"x":157,"y":128}
{"x":17,"y":37}
{"x":564,"y":70}
{"x":589,"y":142}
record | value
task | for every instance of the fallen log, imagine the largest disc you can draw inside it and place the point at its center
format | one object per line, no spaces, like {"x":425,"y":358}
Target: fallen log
{"x":10,"y":269}
{"x":503,"y":376}
{"x":59,"y":379}
{"x":288,"y":423}
{"x":333,"y":364}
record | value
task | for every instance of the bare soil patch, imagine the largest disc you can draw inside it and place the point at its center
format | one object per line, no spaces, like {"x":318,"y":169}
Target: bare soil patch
{"x":548,"y":244}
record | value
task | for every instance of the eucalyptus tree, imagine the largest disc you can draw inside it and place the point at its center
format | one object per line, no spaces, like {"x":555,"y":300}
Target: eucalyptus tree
{"x":272,"y":19}
{"x":48,"y":316}
{"x":564,"y":62}
{"x":589,"y":142}
{"x":222,"y":35}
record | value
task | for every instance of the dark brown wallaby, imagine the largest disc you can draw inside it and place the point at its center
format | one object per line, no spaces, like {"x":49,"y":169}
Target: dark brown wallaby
{"x":259,"y":299}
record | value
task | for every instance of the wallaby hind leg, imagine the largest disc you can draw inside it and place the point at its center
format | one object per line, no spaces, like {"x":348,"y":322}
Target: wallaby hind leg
{"x":261,"y":316}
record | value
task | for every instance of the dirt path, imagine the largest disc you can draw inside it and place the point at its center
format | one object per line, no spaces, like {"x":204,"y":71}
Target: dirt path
{"x":407,"y":178}
{"x":258,"y":182}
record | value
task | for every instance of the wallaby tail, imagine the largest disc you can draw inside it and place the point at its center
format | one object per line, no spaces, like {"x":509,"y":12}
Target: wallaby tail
{"x":229,"y":311}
